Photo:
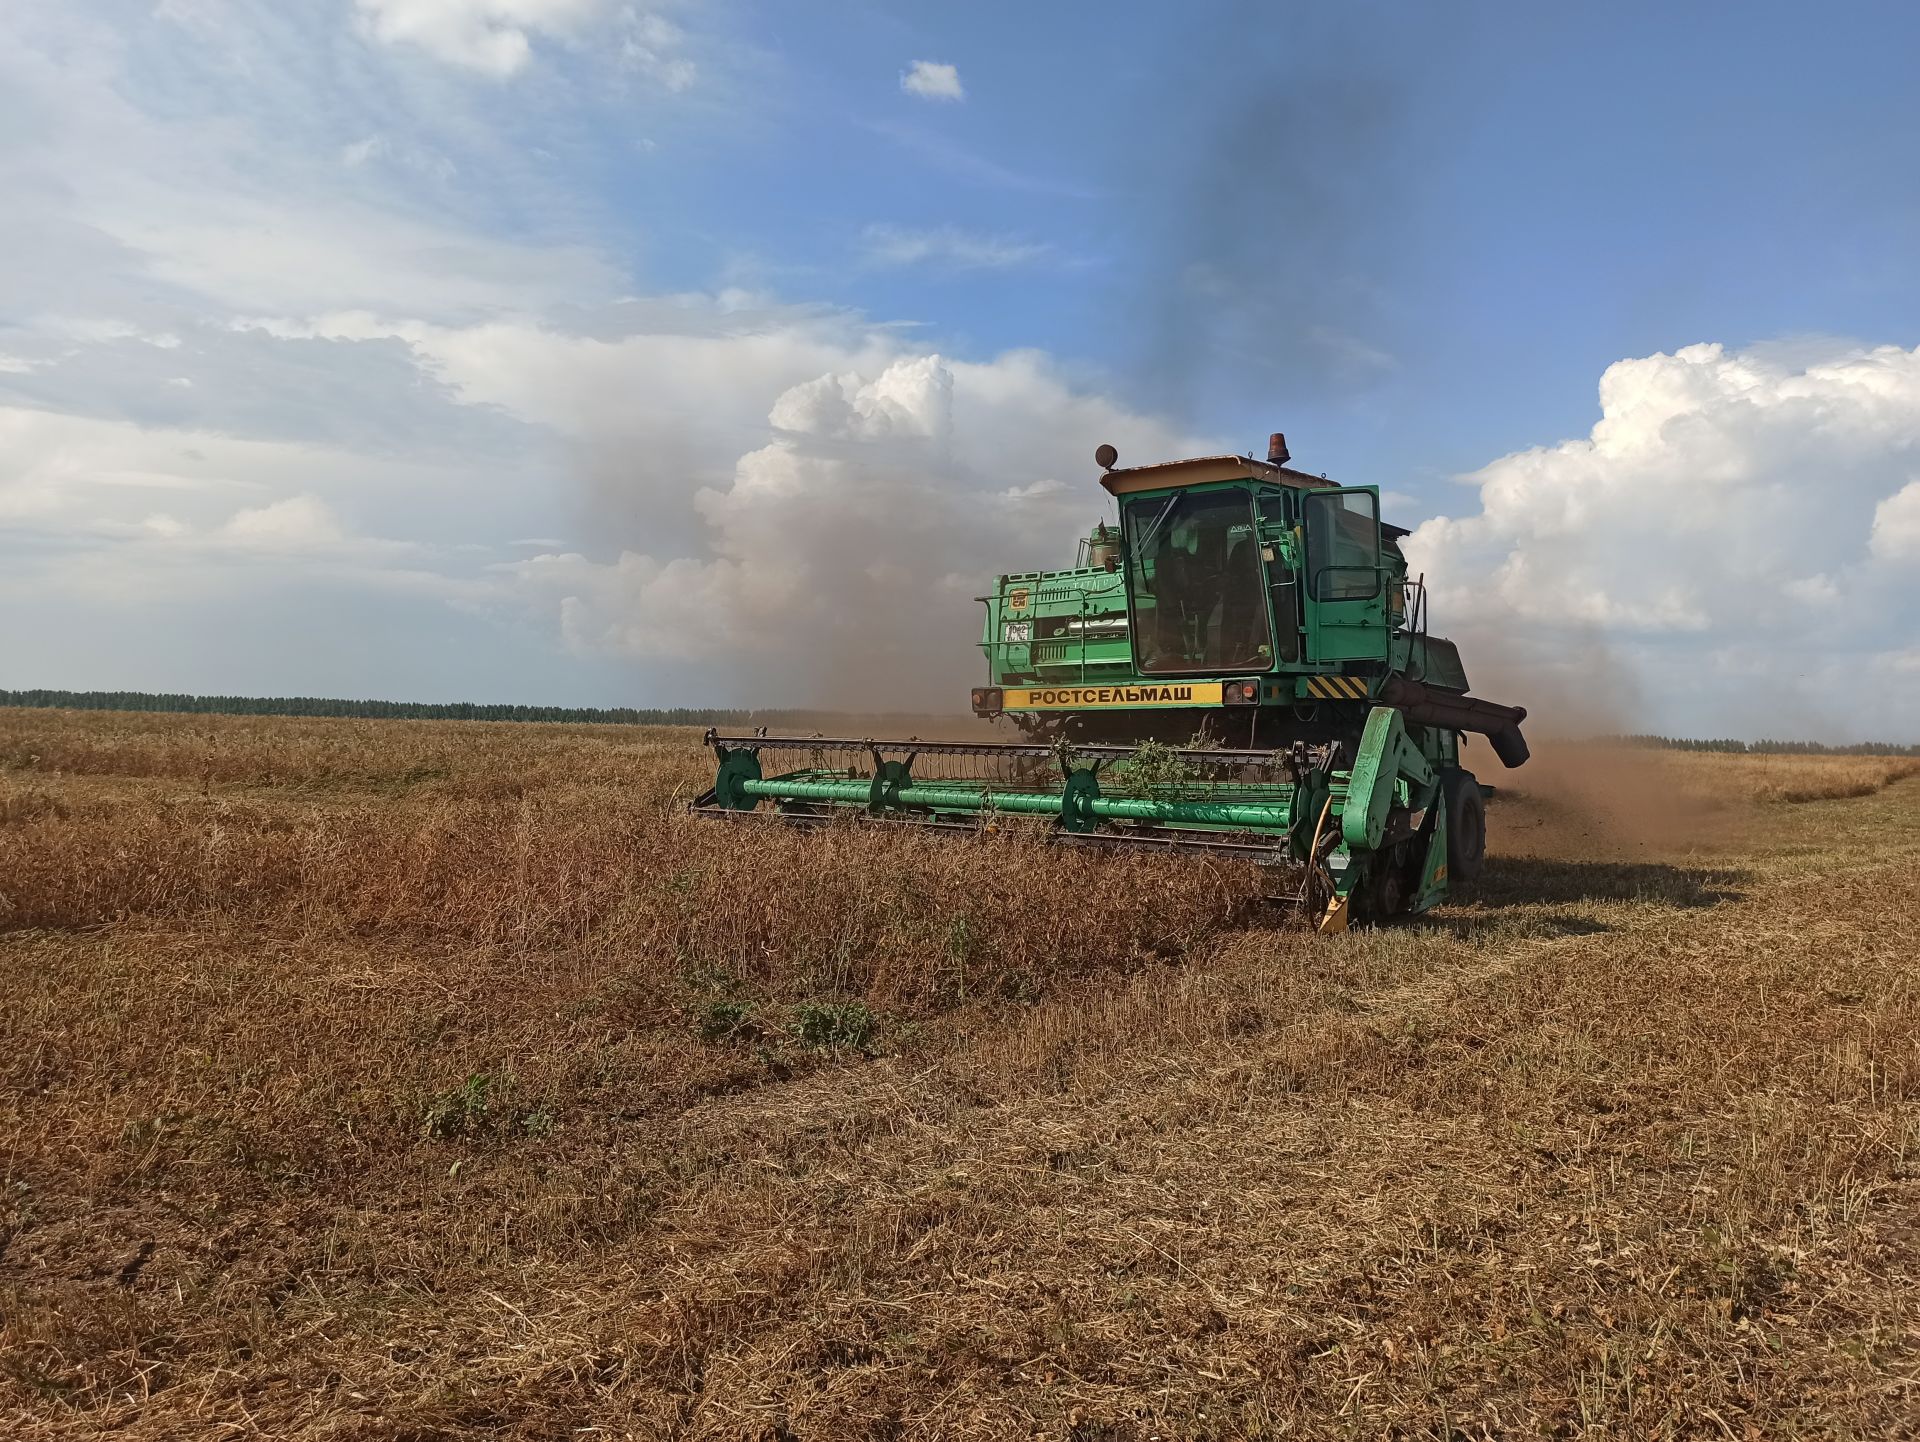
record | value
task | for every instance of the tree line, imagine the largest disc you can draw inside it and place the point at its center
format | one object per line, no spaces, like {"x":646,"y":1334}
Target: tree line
{"x":1769,"y":748}
{"x":687,"y":716}
{"x":391,"y":710}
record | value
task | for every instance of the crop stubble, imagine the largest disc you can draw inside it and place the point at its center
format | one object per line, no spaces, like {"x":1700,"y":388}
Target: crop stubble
{"x":412,"y":1079}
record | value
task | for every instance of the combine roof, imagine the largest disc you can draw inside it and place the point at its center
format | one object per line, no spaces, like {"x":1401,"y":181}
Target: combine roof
{"x":1198,"y":471}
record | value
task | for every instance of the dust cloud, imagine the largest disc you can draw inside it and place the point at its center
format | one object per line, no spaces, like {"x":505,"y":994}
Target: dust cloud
{"x":1588,"y":800}
{"x":1583,"y":795}
{"x":1574,"y":687}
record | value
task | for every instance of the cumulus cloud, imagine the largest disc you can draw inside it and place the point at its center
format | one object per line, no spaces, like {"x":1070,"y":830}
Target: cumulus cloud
{"x":1896,"y":525}
{"x":932,"y":81}
{"x":947,"y":247}
{"x":1693,"y":551}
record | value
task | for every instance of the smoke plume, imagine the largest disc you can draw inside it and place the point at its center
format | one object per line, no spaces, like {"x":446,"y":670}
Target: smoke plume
{"x":1280,"y":209}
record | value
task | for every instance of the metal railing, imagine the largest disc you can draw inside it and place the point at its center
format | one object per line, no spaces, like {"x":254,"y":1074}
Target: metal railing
{"x":998,"y":649}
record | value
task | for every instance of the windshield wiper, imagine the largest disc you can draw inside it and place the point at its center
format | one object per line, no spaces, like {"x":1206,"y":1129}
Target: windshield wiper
{"x":1140,"y":546}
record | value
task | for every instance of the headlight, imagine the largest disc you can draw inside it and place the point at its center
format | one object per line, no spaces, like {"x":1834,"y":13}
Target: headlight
{"x":1017,"y":633}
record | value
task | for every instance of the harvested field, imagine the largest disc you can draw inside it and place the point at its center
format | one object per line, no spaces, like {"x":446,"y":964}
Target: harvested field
{"x":411,"y":1080}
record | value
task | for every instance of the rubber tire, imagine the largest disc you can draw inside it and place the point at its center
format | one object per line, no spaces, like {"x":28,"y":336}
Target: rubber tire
{"x":1466,"y":826}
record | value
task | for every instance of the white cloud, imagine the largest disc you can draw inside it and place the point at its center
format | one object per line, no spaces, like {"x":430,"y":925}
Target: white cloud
{"x":909,"y":398}
{"x":81,"y":478}
{"x":1896,"y":525}
{"x":124,"y":593}
{"x":1813,"y":590}
{"x":496,"y":38}
{"x":493,"y":37}
{"x":403,"y":154}
{"x":296,"y":523}
{"x":163,"y":525}
{"x":947,"y":246}
{"x":1698,"y":542}
{"x":650,"y":47}
{"x":266,"y":198}
{"x":932,"y":81}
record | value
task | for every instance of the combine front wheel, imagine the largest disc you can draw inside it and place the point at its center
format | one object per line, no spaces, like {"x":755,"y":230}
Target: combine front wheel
{"x":1390,"y":888}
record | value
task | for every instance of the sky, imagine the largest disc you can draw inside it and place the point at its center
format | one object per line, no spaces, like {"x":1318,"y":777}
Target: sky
{"x":701,"y":353}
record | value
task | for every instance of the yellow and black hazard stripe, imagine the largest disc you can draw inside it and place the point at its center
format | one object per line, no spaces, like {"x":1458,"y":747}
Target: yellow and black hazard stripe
{"x":1337,"y":688}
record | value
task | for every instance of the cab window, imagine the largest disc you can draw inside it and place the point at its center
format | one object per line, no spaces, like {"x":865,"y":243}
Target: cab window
{"x":1343,"y":545}
{"x":1196,"y":584}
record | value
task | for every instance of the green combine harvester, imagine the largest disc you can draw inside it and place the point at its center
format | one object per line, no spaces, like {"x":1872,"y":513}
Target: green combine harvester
{"x":1241,"y":668}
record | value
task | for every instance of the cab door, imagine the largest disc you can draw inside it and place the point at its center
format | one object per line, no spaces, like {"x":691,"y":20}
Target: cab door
{"x":1345,"y":580}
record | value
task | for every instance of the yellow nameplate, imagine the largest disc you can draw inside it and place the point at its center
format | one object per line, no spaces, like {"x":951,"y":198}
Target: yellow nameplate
{"x":1080,"y":698}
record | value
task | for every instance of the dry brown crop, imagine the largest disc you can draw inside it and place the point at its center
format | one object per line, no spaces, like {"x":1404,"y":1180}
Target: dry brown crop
{"x":408,"y":1080}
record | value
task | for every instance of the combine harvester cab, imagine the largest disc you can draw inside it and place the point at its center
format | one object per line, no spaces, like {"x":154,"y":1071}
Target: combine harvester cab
{"x":1241,"y":667}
